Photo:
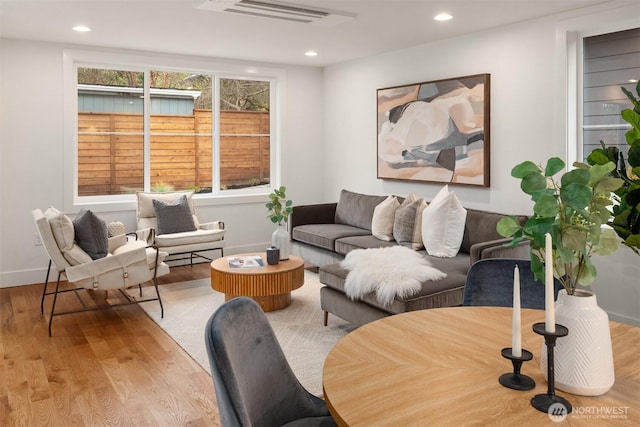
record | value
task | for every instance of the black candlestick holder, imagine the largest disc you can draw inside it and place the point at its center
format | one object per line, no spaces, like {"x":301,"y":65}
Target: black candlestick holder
{"x":515,"y":380}
{"x":542,"y":402}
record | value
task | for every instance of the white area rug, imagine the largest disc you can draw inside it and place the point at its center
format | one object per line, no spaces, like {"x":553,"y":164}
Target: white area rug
{"x":305,"y":342}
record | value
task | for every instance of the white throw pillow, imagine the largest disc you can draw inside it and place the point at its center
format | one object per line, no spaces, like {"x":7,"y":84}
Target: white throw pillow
{"x":383,"y":216}
{"x":443,"y":223}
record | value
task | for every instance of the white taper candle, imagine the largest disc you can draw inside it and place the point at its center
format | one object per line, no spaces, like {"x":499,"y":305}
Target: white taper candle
{"x":516,"y":336}
{"x":549,"y":307}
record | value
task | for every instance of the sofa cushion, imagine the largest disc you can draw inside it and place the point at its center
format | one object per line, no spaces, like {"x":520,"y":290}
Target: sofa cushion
{"x":407,"y":226}
{"x":383,"y":218}
{"x":433,"y":294}
{"x":356,"y":209}
{"x":325,"y":235}
{"x":443,"y":224}
{"x":391,"y":272}
{"x":91,"y":234}
{"x":189,"y":237}
{"x":345,"y":245}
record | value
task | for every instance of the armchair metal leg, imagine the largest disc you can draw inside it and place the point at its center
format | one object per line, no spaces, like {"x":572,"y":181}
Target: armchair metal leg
{"x":44,"y":290}
{"x":326,"y":317}
{"x":155,"y":284}
{"x":53,"y":305}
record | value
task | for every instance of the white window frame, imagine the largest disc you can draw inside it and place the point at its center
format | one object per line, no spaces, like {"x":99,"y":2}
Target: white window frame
{"x":569,"y":59}
{"x":72,"y":59}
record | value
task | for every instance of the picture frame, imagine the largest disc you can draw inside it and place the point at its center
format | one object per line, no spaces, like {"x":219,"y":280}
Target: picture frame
{"x":436,"y":131}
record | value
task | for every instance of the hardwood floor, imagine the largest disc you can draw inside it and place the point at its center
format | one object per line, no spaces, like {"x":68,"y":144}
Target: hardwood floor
{"x":100,"y":368}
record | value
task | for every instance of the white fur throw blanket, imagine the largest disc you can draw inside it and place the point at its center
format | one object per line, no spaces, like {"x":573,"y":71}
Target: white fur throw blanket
{"x":389,"y":272}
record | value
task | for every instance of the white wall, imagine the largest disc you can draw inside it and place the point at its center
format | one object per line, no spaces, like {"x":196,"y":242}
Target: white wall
{"x":528,"y":67}
{"x":32,"y":165}
{"x":329,"y":130}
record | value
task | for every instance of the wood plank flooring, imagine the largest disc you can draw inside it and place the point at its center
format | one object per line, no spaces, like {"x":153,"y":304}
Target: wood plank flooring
{"x":112,"y":367}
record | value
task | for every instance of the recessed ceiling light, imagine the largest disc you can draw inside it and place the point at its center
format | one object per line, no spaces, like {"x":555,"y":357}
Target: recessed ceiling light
{"x":633,"y":81}
{"x":311,"y":53}
{"x":443,"y":17}
{"x":81,"y":28}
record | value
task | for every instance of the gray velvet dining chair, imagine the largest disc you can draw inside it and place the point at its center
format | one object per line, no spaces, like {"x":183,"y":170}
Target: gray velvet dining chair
{"x":254,"y":383}
{"x":490,"y":283}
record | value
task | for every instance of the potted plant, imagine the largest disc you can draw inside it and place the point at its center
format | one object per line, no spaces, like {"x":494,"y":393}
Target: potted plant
{"x":626,"y":212}
{"x":573,"y":210}
{"x":279,"y":208}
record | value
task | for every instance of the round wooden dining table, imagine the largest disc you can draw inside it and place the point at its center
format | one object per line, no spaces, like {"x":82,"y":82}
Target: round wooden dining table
{"x":440,"y":367}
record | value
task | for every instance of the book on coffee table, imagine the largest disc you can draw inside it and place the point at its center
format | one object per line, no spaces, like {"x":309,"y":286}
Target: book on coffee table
{"x":250,"y":261}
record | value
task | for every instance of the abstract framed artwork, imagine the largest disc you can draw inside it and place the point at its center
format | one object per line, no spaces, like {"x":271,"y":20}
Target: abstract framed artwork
{"x":436,"y":131}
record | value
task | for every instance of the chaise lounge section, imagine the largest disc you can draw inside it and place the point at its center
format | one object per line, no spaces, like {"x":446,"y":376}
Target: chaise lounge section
{"x":323,"y":234}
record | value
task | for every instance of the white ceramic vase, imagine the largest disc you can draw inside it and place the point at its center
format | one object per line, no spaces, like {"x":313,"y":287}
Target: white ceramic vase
{"x":280,"y":239}
{"x":583,"y":358}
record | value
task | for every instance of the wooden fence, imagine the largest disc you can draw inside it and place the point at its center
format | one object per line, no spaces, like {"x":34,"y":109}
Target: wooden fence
{"x":111,"y":151}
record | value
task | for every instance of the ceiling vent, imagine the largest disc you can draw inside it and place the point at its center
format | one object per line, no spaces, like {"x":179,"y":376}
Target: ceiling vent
{"x":279,"y":10}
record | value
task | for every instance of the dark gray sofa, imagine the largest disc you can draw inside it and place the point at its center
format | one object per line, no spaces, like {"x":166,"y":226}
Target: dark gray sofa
{"x":323,"y":234}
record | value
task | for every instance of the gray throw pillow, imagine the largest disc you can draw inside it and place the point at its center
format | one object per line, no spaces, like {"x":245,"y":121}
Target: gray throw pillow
{"x":173,"y":217}
{"x":407,"y":225}
{"x":91,"y":234}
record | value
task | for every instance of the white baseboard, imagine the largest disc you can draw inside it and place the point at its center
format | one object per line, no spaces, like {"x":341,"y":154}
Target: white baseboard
{"x":9,"y":279}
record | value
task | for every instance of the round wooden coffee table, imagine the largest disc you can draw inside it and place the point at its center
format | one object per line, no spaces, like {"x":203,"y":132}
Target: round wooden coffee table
{"x":270,"y":286}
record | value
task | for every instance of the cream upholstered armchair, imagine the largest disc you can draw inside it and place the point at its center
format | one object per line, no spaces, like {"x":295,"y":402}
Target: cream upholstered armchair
{"x":81,"y":251}
{"x":176,"y":230}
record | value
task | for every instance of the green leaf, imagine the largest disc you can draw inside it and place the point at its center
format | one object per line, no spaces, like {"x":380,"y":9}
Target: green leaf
{"x":536,"y":227}
{"x":598,"y":157}
{"x":554,"y":165}
{"x":588,"y":273}
{"x":632,"y":98}
{"x":633,"y":156}
{"x":546,"y":206}
{"x":523,"y":169}
{"x":576,"y":176}
{"x":609,"y":243}
{"x":507,"y":226}
{"x":575,"y":195}
{"x":600,"y":172}
{"x":633,"y":241}
{"x":565,"y":255}
{"x":631,"y":117}
{"x":632,"y":135}
{"x":574,"y":239}
{"x":533,"y":182}
{"x":609,"y":185}
{"x":537,"y":267}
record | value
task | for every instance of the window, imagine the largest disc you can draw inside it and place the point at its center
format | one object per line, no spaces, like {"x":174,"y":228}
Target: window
{"x":610,"y":61}
{"x":159,"y":129}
